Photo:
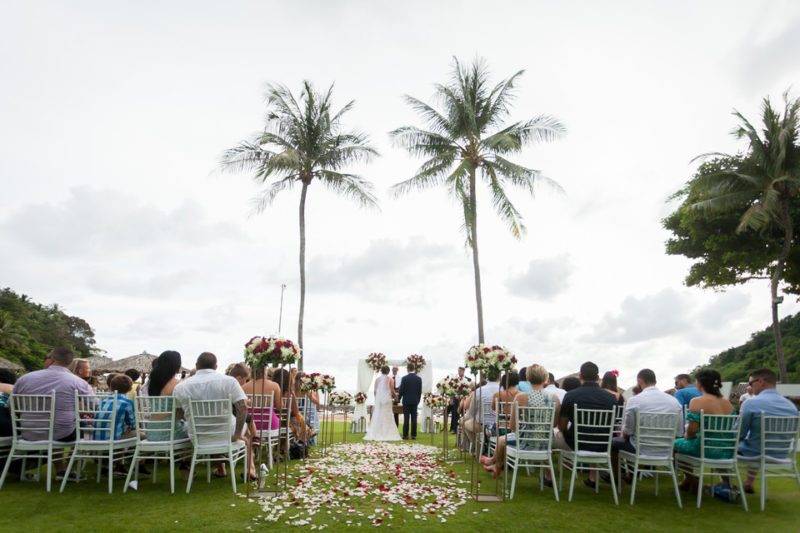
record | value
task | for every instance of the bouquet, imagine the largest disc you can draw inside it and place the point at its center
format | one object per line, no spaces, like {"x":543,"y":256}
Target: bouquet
{"x":453,"y":386}
{"x":317,"y":382}
{"x":435,"y":400}
{"x":341,"y":398}
{"x":482,"y":357}
{"x":360,"y":398}
{"x":277,"y":351}
{"x":376,"y":361}
{"x":416,"y":362}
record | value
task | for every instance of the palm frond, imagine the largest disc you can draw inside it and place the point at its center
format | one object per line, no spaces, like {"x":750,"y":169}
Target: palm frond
{"x":502,"y":205}
{"x":349,"y":185}
{"x":269,"y":194}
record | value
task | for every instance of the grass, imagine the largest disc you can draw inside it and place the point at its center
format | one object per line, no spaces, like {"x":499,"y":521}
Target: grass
{"x":213,"y":507}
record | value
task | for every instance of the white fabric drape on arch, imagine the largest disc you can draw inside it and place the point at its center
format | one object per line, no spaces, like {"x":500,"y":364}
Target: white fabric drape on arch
{"x":366,"y":377}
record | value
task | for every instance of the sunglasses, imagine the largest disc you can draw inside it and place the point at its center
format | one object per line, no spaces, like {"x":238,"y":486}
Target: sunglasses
{"x":753,"y":381}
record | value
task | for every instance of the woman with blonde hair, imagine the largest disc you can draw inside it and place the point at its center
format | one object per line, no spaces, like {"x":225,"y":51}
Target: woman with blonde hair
{"x":537,"y":376}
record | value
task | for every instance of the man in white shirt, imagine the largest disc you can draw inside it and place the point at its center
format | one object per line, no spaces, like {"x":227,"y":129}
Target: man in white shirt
{"x":481,"y":399}
{"x":650,"y":400}
{"x":552,"y":387}
{"x":207,"y":384}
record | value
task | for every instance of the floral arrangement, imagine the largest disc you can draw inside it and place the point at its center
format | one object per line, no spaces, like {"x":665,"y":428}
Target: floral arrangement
{"x":341,"y":398}
{"x":317,"y":382}
{"x":481,"y":357}
{"x":416,"y":362}
{"x":453,"y":386}
{"x":360,"y":398}
{"x":435,"y":400}
{"x":277,"y":351}
{"x":375,"y":361}
{"x":616,"y":373}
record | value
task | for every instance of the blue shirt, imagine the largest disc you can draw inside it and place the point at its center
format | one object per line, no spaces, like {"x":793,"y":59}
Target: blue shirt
{"x":685,"y":395}
{"x":771,"y":403}
{"x":126,"y":417}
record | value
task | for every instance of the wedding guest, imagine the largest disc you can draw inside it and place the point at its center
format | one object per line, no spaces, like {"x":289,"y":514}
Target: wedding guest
{"x":162,"y":382}
{"x":81,"y":368}
{"x":711,"y":402}
{"x":7,"y":380}
{"x":507,"y":393}
{"x":748,"y":393}
{"x":479,"y":408}
{"x":685,"y":390}
{"x":570,"y":383}
{"x":208,"y":384}
{"x":396,"y":380}
{"x":134,"y":375}
{"x":651,"y":400}
{"x":766,"y":401}
{"x":455,"y":411}
{"x":125,"y":426}
{"x":609,"y":383}
{"x":285,"y":381}
{"x":523,"y":385}
{"x":241,"y":374}
{"x":588,"y":396}
{"x":552,"y":386}
{"x":56,"y":377}
{"x":538,"y":396}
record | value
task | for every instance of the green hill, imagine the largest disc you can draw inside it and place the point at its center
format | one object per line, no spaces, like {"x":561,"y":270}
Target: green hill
{"x":735,"y":363}
{"x":28,"y":330}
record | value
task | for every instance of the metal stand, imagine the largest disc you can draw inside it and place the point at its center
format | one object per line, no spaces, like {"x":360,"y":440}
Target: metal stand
{"x":476,"y":468}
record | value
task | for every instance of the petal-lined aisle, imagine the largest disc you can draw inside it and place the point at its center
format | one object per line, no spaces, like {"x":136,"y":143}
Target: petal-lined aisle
{"x":368,"y":484}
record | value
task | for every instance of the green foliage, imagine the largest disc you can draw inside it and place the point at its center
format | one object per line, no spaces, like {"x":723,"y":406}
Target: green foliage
{"x":722,"y":255}
{"x":29,"y":330}
{"x":467,"y":135}
{"x":735,"y":364}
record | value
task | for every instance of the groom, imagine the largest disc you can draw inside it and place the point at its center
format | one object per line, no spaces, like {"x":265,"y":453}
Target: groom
{"x":410,"y":393}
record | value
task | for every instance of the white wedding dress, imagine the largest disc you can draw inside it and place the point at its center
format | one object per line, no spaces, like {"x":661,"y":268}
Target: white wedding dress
{"x":381,"y":426}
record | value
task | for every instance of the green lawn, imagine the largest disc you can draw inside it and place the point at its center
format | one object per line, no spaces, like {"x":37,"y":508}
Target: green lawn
{"x":85,"y":507}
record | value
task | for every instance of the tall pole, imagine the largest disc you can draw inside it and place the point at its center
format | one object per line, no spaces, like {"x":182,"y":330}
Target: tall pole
{"x":280,"y":313}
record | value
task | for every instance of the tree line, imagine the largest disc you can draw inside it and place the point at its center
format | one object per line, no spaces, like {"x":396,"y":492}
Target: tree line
{"x":29,"y":330}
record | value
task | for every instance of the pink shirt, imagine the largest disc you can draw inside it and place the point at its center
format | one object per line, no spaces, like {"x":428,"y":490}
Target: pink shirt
{"x":65,"y":383}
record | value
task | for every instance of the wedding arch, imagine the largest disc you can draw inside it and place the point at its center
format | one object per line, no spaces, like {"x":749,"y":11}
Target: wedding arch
{"x":366,"y":376}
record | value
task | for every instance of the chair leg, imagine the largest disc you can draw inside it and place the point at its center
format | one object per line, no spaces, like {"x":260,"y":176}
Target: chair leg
{"x":66,"y":473}
{"x":6,"y":467}
{"x":572,"y":481}
{"x":191,"y":474}
{"x":233,"y":473}
{"x":675,"y":486}
{"x":131,"y":470}
{"x":633,"y":485}
{"x":553,"y":476}
{"x":699,"y":487}
{"x":613,"y":485}
{"x":741,"y":487}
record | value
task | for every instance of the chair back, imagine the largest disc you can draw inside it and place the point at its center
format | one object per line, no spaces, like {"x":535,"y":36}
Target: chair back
{"x":618,"y":416}
{"x":779,"y":435}
{"x":96,"y":416}
{"x":503,"y":414}
{"x":261,"y":410}
{"x":156,"y":417}
{"x":485,"y":412}
{"x":210,"y":423}
{"x":533,"y":427}
{"x":719,"y":436}
{"x":32,"y":415}
{"x":655,"y":433}
{"x":594,"y":429}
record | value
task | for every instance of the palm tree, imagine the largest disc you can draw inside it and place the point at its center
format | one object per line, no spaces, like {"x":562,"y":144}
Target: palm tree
{"x":767,"y":181}
{"x":468,"y":136}
{"x":302,"y":141}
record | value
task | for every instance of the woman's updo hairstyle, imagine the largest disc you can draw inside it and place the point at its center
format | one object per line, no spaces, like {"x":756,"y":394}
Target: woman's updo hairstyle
{"x":710,"y":380}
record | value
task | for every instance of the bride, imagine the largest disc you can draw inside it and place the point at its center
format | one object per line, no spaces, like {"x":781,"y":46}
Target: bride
{"x":381,"y":426}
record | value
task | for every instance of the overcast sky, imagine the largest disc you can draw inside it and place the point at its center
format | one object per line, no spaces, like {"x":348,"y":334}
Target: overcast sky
{"x":113,"y":117}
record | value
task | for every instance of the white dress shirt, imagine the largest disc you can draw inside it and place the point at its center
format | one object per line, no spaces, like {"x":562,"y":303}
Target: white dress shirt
{"x":650,"y":400}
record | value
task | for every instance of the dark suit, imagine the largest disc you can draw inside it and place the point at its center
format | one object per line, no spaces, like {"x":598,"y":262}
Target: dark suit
{"x":410,"y":393}
{"x":395,"y":402}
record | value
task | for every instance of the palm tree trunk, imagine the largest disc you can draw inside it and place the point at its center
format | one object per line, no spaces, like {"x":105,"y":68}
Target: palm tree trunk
{"x":788,"y":235}
{"x":475,"y":263}
{"x":302,"y":274}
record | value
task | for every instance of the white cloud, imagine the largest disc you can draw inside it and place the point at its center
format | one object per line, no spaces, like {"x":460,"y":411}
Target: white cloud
{"x":545,"y":278}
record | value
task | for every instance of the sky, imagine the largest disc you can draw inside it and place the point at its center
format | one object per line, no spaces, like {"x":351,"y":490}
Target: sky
{"x":114,"y":115}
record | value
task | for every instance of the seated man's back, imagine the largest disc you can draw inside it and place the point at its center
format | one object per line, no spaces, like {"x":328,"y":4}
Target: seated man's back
{"x":55,"y":377}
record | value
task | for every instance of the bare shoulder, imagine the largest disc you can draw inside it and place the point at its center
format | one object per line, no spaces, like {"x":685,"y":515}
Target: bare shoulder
{"x":169,"y":387}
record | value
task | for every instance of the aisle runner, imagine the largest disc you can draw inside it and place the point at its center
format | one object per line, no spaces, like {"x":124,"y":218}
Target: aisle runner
{"x":369,"y":484}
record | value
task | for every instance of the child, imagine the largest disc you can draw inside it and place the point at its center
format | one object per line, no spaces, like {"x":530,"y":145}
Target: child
{"x":126,"y":412}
